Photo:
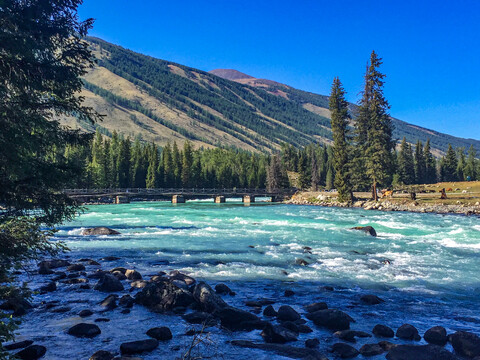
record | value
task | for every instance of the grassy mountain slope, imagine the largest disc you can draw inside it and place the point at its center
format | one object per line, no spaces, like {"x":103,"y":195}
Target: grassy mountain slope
{"x":162,"y":101}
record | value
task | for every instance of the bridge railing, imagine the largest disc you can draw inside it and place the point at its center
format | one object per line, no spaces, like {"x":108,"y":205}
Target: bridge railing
{"x":180,"y":191}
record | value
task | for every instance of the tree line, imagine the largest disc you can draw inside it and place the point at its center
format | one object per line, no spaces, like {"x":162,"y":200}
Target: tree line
{"x":117,"y":162}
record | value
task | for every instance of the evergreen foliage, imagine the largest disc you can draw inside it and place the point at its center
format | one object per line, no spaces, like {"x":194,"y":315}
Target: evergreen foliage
{"x":42,"y":57}
{"x":341,"y":147}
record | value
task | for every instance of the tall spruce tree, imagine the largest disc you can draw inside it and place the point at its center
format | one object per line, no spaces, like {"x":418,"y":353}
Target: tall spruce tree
{"x":341,"y":147}
{"x":471,"y":166}
{"x":151,"y":180}
{"x":187,"y":162}
{"x":277,"y":177}
{"x":462,"y":162}
{"x":379,"y":145}
{"x":42,"y":58}
{"x":405,"y":164}
{"x":430,"y":164}
{"x":420,"y":167}
{"x":449,"y":165}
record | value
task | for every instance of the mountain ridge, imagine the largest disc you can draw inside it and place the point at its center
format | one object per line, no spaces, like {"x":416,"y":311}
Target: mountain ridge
{"x":162,"y":101}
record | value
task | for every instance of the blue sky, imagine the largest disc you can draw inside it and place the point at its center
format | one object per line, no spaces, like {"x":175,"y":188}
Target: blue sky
{"x":430,"y":49}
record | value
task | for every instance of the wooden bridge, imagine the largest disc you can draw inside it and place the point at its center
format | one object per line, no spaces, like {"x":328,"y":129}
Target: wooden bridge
{"x":177,"y":195}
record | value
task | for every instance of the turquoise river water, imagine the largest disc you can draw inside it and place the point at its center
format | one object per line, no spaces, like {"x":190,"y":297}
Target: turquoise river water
{"x":425,"y":266}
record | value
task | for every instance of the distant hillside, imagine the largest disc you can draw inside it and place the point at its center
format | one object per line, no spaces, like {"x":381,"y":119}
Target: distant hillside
{"x":162,"y":101}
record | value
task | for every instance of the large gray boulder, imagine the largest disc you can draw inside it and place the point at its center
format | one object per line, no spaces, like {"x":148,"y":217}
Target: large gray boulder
{"x":206,"y":297}
{"x":466,"y":343}
{"x":163,"y":296}
{"x":109,"y":283}
{"x":436,"y":335}
{"x":366,"y":229}
{"x":287,"y":313}
{"x":331,"y":318}
{"x":235,"y":319}
{"x":84,"y":330}
{"x":100,"y":230}
{"x":278,"y":334}
{"x":137,"y":347}
{"x":423,"y":352}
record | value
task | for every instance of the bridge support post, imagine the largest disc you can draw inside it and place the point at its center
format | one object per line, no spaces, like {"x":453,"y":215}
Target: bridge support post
{"x":247,"y":199}
{"x":274,"y":199}
{"x":122,"y":200}
{"x":178,"y":199}
{"x":219,"y":199}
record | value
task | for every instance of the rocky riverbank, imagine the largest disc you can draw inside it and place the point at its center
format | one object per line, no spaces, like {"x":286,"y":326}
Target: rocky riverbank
{"x":386,"y":205}
{"x":99,"y":309}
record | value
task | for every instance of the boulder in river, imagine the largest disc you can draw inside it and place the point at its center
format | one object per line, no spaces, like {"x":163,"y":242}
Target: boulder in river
{"x":51,"y":286}
{"x":371,"y":350}
{"x":110,"y":302}
{"x":133,"y":275}
{"x":17,"y":345}
{"x":126,"y":301}
{"x":282,"y":350}
{"x":160,"y":333}
{"x":331,"y":318}
{"x":287,"y":313}
{"x":370,"y":299}
{"x":408,"y":332}
{"x":84,"y":330}
{"x":102,"y":355}
{"x":76,"y":267}
{"x":200,"y":317}
{"x":278,"y":334}
{"x":269,"y":311}
{"x":236,"y":319}
{"x":312,"y":343}
{"x":222,"y":289}
{"x":32,"y":352}
{"x":100,"y":230}
{"x":423,"y":352}
{"x":436,"y":335}
{"x":108,"y":283}
{"x":344,"y":351}
{"x":383,"y":331}
{"x":85,"y":313}
{"x":366,"y":229}
{"x":315,"y":307}
{"x":54,"y":263}
{"x":208,"y":300}
{"x":349,"y":335}
{"x":465,"y":343}
{"x":139,"y":346}
{"x":161,"y":296}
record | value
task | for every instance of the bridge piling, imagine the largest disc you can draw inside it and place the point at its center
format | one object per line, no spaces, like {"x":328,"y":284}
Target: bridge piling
{"x":178,"y":199}
{"x":247,"y":199}
{"x":219,"y":199}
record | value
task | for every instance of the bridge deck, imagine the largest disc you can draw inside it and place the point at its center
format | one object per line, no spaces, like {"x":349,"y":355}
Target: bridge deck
{"x":190,"y":192}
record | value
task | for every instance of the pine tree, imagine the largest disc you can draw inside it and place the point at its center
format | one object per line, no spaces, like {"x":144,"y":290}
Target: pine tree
{"x":152,"y":167}
{"x":341,"y":148}
{"x":449,"y":165}
{"x":471,"y":166}
{"x":138,"y":163}
{"x":187,"y":162}
{"x":420,"y":167}
{"x":168,"y":168}
{"x":277,"y":177}
{"x":360,"y":179}
{"x":304,"y":177}
{"x":379,"y":144}
{"x":123,"y":165}
{"x":462,"y":162}
{"x":430,"y":164}
{"x":405,"y":164}
{"x":177,"y":165}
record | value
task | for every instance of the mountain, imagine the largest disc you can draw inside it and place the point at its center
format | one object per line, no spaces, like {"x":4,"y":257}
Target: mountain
{"x":162,"y":101}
